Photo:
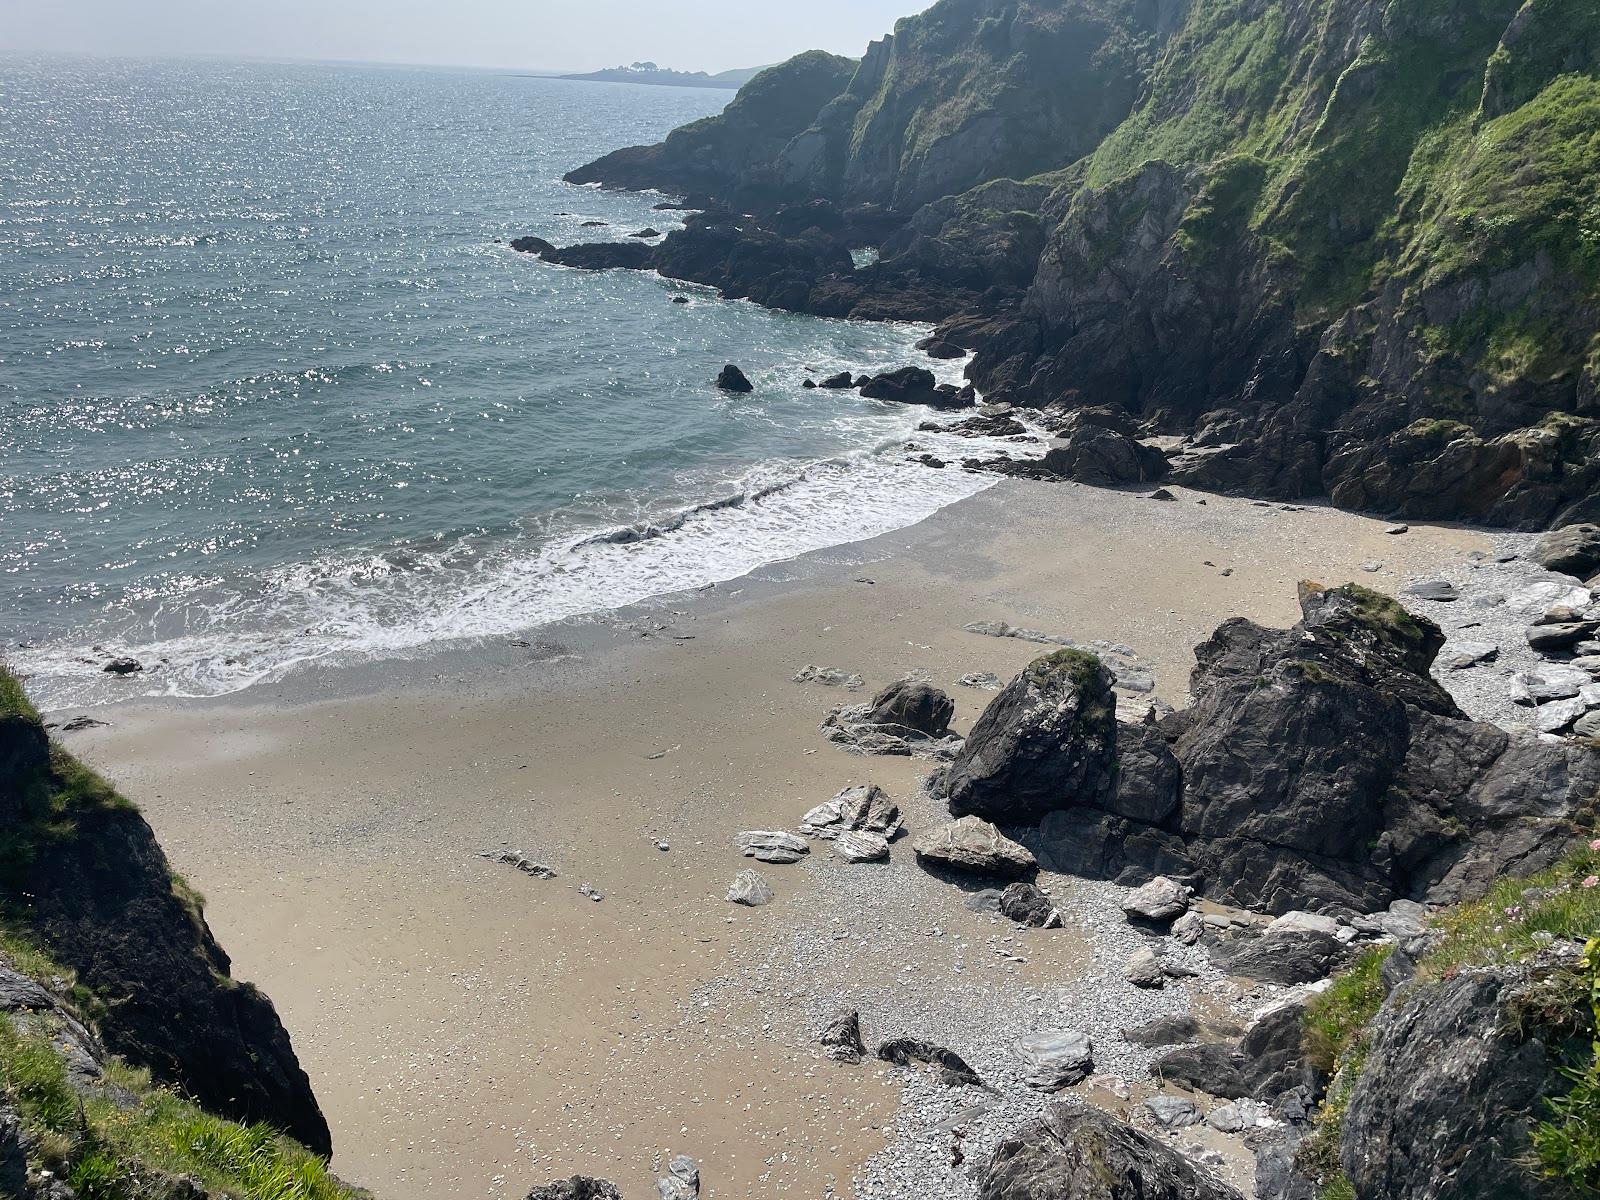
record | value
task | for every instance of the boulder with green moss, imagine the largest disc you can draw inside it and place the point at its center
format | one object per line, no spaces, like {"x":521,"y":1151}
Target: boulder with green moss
{"x":1047,"y":741}
{"x":1319,"y":767}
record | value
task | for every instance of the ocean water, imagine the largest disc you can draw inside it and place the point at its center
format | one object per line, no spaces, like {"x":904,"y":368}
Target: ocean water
{"x":274,"y":391}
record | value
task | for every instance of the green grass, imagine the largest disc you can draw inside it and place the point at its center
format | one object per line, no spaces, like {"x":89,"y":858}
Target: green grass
{"x":1515,"y":920}
{"x":13,"y":698}
{"x":111,"y":1153}
{"x":1337,"y":1020}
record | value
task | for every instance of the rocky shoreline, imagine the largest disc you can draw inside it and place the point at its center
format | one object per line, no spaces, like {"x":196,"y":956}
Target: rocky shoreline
{"x":1289,"y":316}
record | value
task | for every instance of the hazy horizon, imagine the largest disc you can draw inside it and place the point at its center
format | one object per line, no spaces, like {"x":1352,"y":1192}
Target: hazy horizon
{"x":698,"y":35}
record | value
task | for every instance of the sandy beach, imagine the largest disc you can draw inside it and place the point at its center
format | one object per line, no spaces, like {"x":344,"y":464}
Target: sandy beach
{"x":472,"y":1031}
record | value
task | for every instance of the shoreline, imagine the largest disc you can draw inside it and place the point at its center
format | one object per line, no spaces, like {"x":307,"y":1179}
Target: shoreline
{"x":525,"y":1032}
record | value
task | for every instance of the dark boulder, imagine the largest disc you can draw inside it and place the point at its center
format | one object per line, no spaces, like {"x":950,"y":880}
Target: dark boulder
{"x":914,"y":706}
{"x":1082,"y":1153}
{"x":590,"y":256}
{"x":838,"y":382}
{"x":1574,"y":550}
{"x":1284,"y":957}
{"x":842,"y":1038}
{"x":1047,"y":741}
{"x":1318,"y":768}
{"x":1453,"y":1083}
{"x":951,"y":1068}
{"x":908,"y":385}
{"x":123,"y":666}
{"x":938,"y":347}
{"x":646,"y":233}
{"x":1212,"y":1068}
{"x":1273,"y":1055}
{"x":732,"y":379}
{"x":579,"y":1187}
{"x":1025,"y":904}
{"x":1103,"y":457}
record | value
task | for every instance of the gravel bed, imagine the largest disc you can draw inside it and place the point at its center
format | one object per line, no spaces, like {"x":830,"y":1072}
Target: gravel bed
{"x":1494,"y":607}
{"x":957,"y":985}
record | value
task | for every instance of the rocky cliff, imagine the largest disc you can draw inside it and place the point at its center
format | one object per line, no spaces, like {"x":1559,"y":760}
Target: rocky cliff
{"x":1339,"y":247}
{"x":84,"y":883}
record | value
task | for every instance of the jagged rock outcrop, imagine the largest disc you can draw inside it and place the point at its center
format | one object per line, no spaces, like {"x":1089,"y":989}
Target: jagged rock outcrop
{"x":1455,"y":1078}
{"x":734,"y":152}
{"x":1082,"y":1153}
{"x":1179,"y":208}
{"x":1045,"y":742}
{"x":1319,"y":768}
{"x":83,"y":874}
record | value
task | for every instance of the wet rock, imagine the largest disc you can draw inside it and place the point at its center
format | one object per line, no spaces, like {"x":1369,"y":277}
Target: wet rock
{"x":937,"y":347}
{"x":772,"y":845}
{"x":840,"y":382}
{"x":1157,"y":902}
{"x":914,"y":385}
{"x":1056,"y":1059}
{"x":1573,"y":550}
{"x":973,"y":845}
{"x":1046,"y":741}
{"x":123,"y":666}
{"x":1026,"y":905}
{"x":647,"y":232}
{"x":750,"y":889}
{"x":1083,"y":1153}
{"x":950,"y":1067}
{"x":732,"y":379}
{"x":842,"y":1038}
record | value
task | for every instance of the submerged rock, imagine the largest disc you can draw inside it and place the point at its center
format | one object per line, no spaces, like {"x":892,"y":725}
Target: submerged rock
{"x":732,"y":379}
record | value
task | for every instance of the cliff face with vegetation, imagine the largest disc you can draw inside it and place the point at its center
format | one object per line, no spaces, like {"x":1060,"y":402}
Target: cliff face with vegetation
{"x":107,"y":957}
{"x":1346,"y":247}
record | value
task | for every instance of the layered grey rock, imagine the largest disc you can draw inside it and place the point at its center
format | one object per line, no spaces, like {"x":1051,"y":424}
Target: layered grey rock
{"x":1080,"y":1153}
{"x":974,"y":846}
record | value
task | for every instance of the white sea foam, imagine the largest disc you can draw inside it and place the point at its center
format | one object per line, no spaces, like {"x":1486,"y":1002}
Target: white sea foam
{"x":401,"y":603}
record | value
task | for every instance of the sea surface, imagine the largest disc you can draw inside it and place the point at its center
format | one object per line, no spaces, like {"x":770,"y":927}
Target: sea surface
{"x":274,"y":391}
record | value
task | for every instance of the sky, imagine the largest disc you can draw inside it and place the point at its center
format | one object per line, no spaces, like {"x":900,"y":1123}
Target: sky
{"x":573,"y":35}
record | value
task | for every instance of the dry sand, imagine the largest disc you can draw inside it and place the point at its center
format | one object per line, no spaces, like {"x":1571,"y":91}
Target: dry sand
{"x":472,"y":1031}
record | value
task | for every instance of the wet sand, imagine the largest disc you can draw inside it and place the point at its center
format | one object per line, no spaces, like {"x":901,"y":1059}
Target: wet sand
{"x":472,"y":1031}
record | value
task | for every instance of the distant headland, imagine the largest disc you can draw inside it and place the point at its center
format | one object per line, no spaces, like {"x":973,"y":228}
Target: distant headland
{"x":649,"y":72}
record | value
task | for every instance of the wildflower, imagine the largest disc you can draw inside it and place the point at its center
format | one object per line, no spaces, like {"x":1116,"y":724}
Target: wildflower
{"x":1595,"y":845}
{"x":1592,"y":881}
